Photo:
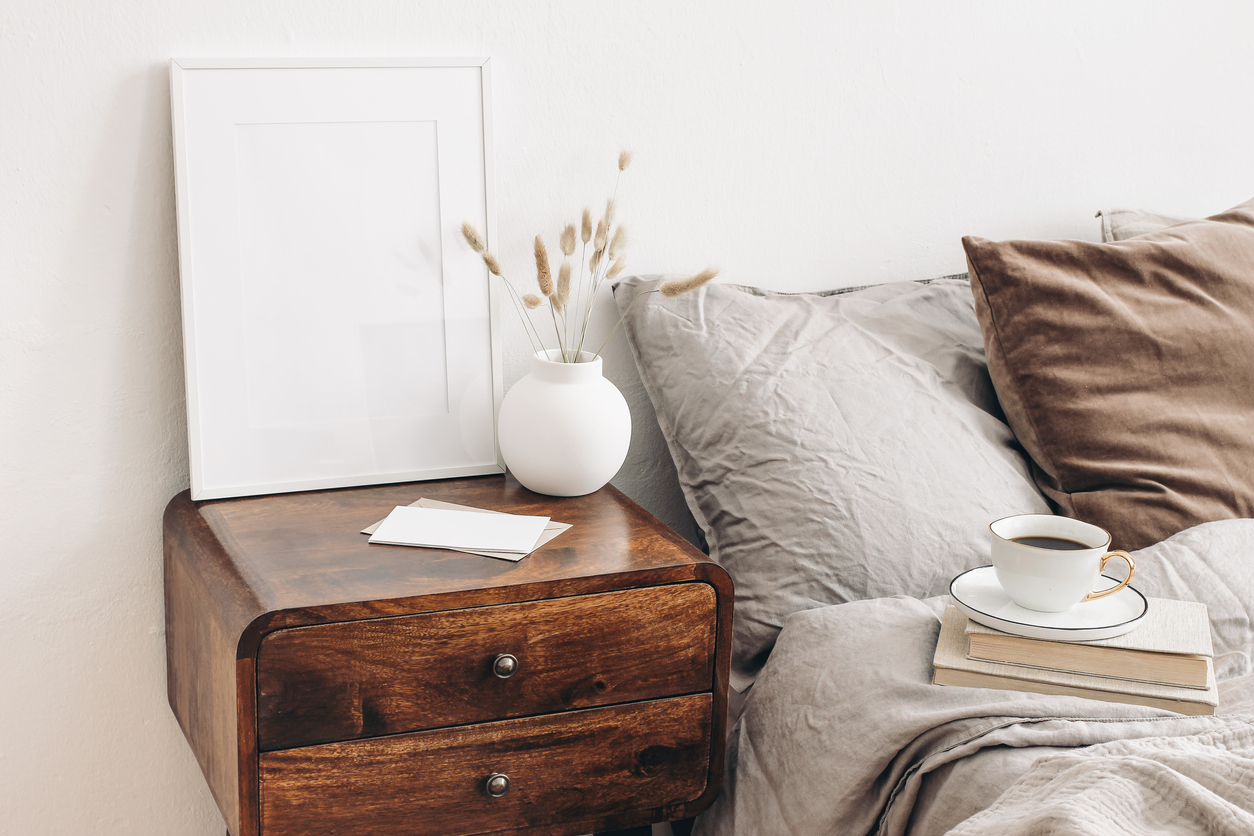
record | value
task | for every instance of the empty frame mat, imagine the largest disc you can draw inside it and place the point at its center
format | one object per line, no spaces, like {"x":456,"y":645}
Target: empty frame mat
{"x":337,"y":330}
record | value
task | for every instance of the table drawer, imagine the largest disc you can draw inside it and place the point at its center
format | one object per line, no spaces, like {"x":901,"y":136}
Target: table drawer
{"x":566,"y":767}
{"x":356,"y":679}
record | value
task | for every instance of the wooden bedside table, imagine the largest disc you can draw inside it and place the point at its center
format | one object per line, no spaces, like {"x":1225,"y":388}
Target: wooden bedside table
{"x":329,"y":686}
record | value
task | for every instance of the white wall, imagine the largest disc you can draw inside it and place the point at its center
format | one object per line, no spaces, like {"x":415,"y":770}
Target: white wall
{"x":799,"y":146}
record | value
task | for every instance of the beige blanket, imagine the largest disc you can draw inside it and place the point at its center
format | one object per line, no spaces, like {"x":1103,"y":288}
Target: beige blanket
{"x":1201,"y":783}
{"x":843,"y":733}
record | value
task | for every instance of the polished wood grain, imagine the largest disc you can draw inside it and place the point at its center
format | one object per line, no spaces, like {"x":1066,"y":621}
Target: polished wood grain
{"x":382,"y":676}
{"x":305,"y":551}
{"x":207,"y":607}
{"x":566,"y":767}
{"x":237,"y":571}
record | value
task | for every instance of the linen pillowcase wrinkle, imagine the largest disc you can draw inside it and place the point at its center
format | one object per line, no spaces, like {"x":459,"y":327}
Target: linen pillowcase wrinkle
{"x":1209,"y":563}
{"x":832,"y":447}
{"x":1127,"y":370}
{"x":1121,"y":224}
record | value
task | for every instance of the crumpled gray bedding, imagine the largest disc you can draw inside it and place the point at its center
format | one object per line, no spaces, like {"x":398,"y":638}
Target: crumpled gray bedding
{"x":1200,"y":783}
{"x":843,"y":733}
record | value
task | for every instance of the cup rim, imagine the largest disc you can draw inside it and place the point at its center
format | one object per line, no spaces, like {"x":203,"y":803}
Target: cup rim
{"x":1105,"y":546}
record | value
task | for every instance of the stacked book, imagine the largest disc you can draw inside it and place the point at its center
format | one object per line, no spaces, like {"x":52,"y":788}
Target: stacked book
{"x":1166,"y":662}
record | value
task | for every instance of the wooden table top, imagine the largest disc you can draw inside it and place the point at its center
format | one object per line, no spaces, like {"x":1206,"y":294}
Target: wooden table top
{"x":305,"y":550}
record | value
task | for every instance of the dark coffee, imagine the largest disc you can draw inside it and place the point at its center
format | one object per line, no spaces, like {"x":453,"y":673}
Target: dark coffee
{"x":1056,"y":543}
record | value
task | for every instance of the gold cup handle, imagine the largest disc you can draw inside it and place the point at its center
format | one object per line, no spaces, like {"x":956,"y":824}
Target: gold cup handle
{"x":1093,"y":596}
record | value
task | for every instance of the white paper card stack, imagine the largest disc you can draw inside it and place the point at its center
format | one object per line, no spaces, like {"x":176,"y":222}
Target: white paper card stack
{"x":439,"y":528}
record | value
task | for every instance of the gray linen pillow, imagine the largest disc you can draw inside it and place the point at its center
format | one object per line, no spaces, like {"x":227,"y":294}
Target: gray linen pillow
{"x":831,"y":446}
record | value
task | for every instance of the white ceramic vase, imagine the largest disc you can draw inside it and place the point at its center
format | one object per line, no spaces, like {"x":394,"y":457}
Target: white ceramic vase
{"x":564,"y":429}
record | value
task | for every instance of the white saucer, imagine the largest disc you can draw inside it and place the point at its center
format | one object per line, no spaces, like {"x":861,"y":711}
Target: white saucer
{"x":978,"y":594}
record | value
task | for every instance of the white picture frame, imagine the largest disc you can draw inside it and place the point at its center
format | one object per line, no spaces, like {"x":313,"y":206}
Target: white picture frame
{"x":337,"y":330}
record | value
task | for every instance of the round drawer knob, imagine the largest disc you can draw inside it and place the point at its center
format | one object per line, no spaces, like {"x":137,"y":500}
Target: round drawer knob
{"x":498,"y":784}
{"x":504,"y":666}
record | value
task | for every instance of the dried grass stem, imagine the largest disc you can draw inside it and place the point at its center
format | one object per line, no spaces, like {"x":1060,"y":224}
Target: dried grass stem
{"x":571,"y":297}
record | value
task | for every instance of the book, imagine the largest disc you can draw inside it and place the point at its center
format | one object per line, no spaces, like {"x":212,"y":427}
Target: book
{"x":952,"y":666}
{"x":1171,"y":646}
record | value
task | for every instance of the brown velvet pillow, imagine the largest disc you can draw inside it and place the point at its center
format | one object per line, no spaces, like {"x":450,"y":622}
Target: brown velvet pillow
{"x":1126,"y":370}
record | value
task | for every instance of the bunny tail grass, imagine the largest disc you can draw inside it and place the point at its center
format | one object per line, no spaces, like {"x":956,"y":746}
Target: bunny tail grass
{"x":598,"y":243}
{"x":678,"y":287}
{"x":543,"y":277}
{"x":563,"y":284}
{"x":473,"y":238}
{"x":618,"y":243}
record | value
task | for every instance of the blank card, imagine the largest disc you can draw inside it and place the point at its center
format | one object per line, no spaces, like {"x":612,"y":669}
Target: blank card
{"x":439,"y":528}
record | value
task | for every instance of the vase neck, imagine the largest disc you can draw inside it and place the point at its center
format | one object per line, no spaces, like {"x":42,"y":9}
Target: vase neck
{"x":547,"y":365}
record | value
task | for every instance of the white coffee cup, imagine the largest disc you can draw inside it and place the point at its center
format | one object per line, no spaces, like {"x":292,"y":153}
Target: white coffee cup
{"x":1049,"y":563}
